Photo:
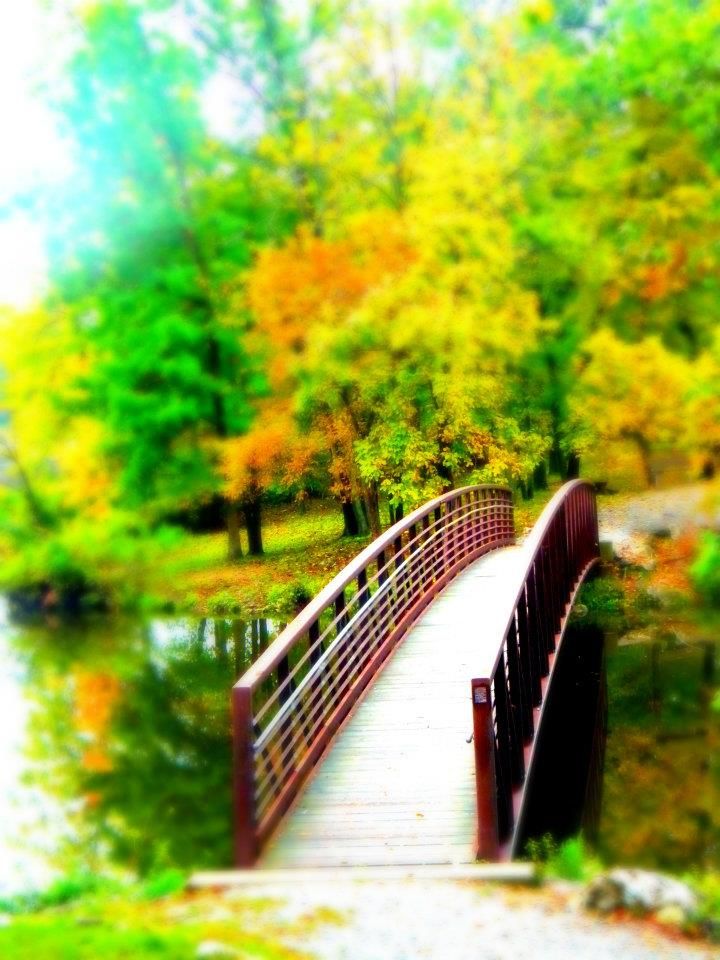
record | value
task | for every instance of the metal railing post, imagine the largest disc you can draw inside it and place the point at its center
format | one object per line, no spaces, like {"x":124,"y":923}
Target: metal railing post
{"x":488,"y":838}
{"x":246,"y":844}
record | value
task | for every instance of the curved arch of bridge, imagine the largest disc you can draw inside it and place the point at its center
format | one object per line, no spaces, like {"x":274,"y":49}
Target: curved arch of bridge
{"x":394,"y":720}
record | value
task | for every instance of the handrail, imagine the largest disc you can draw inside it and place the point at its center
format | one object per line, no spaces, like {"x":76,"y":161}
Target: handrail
{"x":507,"y":697}
{"x":290,"y":703}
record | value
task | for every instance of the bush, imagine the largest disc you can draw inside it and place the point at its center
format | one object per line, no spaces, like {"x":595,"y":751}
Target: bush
{"x":604,"y":601}
{"x":705,"y":571}
{"x":163,"y":884}
{"x":287,"y":599}
{"x":64,"y":890}
{"x":222,"y":603}
{"x":568,"y":860}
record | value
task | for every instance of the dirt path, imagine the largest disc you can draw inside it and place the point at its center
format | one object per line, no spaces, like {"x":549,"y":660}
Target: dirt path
{"x":673,"y":509}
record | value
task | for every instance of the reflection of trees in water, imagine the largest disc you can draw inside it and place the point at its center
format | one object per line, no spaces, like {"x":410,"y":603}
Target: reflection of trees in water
{"x":151,"y":762}
{"x":662,"y":791}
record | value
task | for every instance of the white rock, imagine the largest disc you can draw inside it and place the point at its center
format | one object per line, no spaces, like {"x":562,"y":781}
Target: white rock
{"x":639,"y":890}
{"x":632,"y":549}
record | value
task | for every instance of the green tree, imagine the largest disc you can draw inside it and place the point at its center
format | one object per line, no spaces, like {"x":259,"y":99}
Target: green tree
{"x":144,"y":239}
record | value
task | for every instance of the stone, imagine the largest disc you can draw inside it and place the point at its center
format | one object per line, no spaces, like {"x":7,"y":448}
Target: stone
{"x":641,"y":891}
{"x":215,"y":950}
{"x":632,"y":549}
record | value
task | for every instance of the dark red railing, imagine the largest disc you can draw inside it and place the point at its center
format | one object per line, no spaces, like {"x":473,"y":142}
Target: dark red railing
{"x":290,"y":703}
{"x":508,"y":696}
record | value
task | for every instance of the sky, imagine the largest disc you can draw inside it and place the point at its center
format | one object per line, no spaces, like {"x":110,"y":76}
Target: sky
{"x":29,"y":148}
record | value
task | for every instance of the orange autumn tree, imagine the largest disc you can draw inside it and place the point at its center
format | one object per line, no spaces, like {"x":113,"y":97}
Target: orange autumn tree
{"x":272,"y":454}
{"x":309,"y":284}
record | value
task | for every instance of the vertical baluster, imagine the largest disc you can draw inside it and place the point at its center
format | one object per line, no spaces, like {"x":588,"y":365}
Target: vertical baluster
{"x":468,"y":518}
{"x":316,"y":706}
{"x":564,"y":564}
{"x":516,"y":705}
{"x":476,"y":520}
{"x":365,"y":626}
{"x":547,"y":597}
{"x":415,"y":584}
{"x":382,"y":599}
{"x":503,"y":769}
{"x":399,"y":579}
{"x":557,"y":581}
{"x":528,"y":666}
{"x":539,"y":620}
{"x":449,"y":534}
{"x":286,"y":686}
{"x":342,"y":657}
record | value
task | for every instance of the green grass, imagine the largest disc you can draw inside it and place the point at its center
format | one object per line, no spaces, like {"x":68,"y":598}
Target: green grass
{"x":127,"y":925}
{"x":302,"y":548}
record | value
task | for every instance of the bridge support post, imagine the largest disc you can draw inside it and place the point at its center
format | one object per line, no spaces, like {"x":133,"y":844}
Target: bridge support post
{"x":488,"y":841}
{"x":246,"y":845}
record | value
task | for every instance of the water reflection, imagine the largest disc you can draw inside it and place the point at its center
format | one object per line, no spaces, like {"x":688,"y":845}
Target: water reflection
{"x":661,"y":794}
{"x":648,"y":794}
{"x":127,"y":727}
{"x":564,"y":791}
{"x":115,"y":744}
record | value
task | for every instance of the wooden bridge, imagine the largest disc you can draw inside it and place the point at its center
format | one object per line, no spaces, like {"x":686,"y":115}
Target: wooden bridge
{"x":394,"y":720}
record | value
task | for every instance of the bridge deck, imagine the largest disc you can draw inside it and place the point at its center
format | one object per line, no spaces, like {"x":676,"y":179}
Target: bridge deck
{"x":398,"y":784}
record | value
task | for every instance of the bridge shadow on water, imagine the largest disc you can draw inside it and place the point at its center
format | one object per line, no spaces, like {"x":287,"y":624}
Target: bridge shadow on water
{"x":564,"y":789}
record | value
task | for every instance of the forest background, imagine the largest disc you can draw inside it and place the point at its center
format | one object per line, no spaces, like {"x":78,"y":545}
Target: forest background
{"x":438,"y":242}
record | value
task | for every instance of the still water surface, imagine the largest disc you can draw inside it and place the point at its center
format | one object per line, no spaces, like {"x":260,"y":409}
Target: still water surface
{"x":115,"y":746}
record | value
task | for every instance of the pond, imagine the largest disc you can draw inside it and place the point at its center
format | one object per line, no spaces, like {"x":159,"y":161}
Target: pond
{"x":661,"y":784}
{"x":115,"y":745}
{"x":115,"y":742}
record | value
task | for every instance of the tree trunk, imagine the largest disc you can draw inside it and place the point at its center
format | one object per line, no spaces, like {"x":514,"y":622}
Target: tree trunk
{"x":351,"y":524}
{"x":646,"y":460}
{"x":572,"y":469}
{"x":540,"y":476}
{"x":557,"y":459}
{"x":371,"y":502}
{"x":396,"y":513}
{"x":253,"y":525}
{"x":232,"y":521}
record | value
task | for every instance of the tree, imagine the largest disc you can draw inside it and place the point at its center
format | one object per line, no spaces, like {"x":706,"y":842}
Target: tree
{"x":630,"y":393}
{"x":300,"y":289}
{"x":155,"y":221}
{"x":272,"y":454}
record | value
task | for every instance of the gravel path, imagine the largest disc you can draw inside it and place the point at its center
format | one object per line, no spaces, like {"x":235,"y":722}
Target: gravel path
{"x":450,"y":920}
{"x":674,"y":509}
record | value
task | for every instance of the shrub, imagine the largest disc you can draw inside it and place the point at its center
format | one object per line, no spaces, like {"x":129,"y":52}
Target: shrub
{"x":705,"y":571}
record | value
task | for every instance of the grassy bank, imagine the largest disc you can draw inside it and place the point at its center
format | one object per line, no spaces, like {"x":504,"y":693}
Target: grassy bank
{"x":139,"y":921}
{"x":304,"y":548}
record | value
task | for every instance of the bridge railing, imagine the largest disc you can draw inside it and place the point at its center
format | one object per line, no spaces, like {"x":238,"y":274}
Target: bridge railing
{"x":291,"y":702}
{"x":561,"y":549}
